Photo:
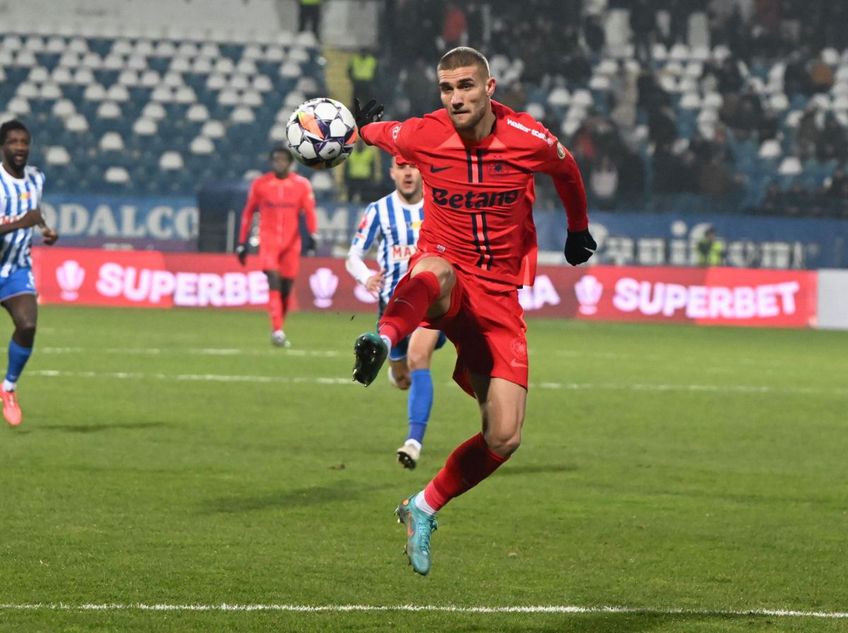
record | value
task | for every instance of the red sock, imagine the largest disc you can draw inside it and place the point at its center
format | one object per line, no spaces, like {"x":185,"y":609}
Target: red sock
{"x":468,"y":465}
{"x":409,"y":305}
{"x":275,"y":309}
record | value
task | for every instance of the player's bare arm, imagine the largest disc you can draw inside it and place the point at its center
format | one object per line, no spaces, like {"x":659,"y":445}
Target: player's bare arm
{"x":28,"y":219}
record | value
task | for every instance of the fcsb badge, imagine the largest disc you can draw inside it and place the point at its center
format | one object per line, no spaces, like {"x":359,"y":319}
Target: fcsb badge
{"x":560,"y":150}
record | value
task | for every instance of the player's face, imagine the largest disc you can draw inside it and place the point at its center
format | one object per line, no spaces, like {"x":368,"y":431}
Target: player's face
{"x":407,"y":179}
{"x":16,"y":149}
{"x":466,"y":93}
{"x":281,"y":164}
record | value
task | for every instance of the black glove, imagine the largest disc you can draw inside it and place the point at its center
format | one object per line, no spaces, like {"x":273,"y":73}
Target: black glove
{"x":309,"y":245}
{"x":579,"y":247}
{"x":371,"y":113}
{"x":241,"y":253}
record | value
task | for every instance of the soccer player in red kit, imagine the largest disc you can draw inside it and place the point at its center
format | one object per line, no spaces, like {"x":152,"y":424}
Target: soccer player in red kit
{"x":280,"y":196}
{"x":477,"y":246}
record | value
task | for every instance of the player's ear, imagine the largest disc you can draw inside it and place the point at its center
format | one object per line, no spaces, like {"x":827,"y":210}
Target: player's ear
{"x":490,"y":86}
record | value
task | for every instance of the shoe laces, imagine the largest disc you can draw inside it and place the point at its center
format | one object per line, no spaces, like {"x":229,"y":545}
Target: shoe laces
{"x":11,"y":398}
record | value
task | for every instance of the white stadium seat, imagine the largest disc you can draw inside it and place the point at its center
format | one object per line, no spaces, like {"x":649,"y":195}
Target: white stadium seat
{"x":197,"y":113}
{"x":116,"y":175}
{"x":118,"y":92}
{"x":109,"y":110}
{"x":153,"y":110}
{"x":242,"y":114}
{"x":145,"y":127}
{"x":213,"y":129}
{"x":76,"y":123}
{"x":57,"y":155}
{"x":50,"y":91}
{"x":63,"y":109}
{"x":170,"y":161}
{"x":111,"y":142}
{"x":202,"y":146}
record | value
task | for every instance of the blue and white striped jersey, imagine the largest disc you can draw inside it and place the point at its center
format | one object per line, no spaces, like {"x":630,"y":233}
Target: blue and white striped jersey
{"x":395,"y":225}
{"x":17,"y":196}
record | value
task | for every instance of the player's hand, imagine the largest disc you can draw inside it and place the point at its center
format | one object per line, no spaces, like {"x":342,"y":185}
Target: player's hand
{"x":310,"y":245}
{"x":241,"y":253}
{"x":374,"y":284}
{"x":371,"y":112}
{"x":49,"y":235}
{"x":579,"y":247}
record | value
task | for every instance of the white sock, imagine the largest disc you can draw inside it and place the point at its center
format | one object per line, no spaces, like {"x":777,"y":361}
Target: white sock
{"x":414,"y":443}
{"x":8,"y":386}
{"x":421,"y":504}
{"x":387,"y":341}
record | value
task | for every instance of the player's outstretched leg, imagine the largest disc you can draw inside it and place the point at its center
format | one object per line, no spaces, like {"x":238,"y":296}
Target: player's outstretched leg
{"x":370,"y":351}
{"x":419,"y":527}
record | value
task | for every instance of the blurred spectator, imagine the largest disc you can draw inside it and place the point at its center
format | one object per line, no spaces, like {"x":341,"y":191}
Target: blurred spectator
{"x":309,"y":18}
{"x":362,"y":70}
{"x":454,"y":27}
{"x":362,"y":172}
{"x":642,"y":25}
{"x":514,"y":96}
{"x":603,"y":183}
{"x":710,"y":249}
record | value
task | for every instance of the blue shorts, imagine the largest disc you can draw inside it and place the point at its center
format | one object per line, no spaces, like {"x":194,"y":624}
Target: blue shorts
{"x":398,"y":352}
{"x":20,"y":282}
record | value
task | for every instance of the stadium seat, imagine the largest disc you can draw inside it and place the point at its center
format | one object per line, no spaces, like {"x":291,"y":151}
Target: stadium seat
{"x":63,"y":108}
{"x":111,"y":142}
{"x":18,"y":106}
{"x":242,"y":114}
{"x":116,"y":175}
{"x":790,"y":166}
{"x":118,"y":93}
{"x":171,"y":161}
{"x":213,"y":129}
{"x":145,"y":126}
{"x":202,"y":146}
{"x":27,"y":90}
{"x":57,"y":155}
{"x":76,"y":123}
{"x":62,"y":75}
{"x":277,"y":133}
{"x":108,"y":110}
{"x":149,"y":78}
{"x":94,"y":92}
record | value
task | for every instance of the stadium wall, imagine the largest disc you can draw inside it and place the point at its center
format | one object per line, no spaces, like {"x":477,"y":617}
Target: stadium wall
{"x":702,"y":296}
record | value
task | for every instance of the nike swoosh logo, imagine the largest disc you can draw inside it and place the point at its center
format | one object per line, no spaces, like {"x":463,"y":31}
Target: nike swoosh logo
{"x":515,"y":363}
{"x":436,"y":170}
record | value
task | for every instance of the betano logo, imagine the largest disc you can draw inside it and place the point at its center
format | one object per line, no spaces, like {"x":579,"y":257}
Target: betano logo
{"x":70,"y":276}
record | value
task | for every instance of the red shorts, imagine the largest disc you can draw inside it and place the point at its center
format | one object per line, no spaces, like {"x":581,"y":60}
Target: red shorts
{"x":486,"y":324}
{"x":284,"y":259}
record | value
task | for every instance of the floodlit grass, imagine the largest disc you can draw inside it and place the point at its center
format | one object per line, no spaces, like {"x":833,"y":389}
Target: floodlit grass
{"x":175,"y":457}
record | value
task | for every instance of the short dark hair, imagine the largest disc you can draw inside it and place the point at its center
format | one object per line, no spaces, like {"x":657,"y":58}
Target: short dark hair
{"x":280,"y":149}
{"x":463,"y":56}
{"x":11,"y":126}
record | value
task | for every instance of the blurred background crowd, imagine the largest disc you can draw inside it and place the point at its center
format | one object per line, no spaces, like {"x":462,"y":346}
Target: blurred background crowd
{"x":667,"y":105}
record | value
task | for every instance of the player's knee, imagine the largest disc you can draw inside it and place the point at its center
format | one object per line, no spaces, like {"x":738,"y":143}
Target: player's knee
{"x":503,"y":443}
{"x":417,"y":359}
{"x":25,"y":333}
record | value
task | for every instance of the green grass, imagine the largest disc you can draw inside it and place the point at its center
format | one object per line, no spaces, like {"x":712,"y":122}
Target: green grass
{"x":663,"y":468}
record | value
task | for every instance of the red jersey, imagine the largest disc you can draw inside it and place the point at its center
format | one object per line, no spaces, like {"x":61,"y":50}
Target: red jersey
{"x":280,"y":202}
{"x":478,"y":197}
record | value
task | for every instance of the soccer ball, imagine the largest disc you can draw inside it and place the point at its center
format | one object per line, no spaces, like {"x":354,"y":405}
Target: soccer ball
{"x":321,"y":133}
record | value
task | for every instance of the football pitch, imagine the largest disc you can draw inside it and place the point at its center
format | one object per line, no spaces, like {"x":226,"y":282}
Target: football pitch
{"x":174,"y":472}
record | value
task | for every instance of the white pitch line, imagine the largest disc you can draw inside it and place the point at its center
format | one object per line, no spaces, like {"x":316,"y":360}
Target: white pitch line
{"x":196,"y":351}
{"x":346,"y":608}
{"x":335,"y":380}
